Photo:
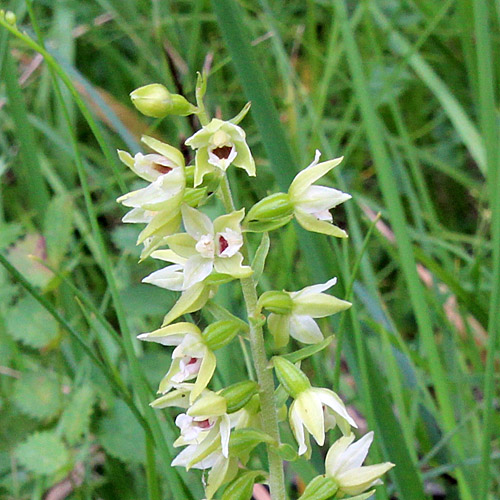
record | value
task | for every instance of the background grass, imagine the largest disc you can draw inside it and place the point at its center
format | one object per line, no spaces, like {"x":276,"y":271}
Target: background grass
{"x":407,"y":91}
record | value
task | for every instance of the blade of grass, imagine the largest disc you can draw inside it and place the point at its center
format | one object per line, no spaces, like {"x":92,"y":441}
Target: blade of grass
{"x":406,"y":256}
{"x":489,"y":127}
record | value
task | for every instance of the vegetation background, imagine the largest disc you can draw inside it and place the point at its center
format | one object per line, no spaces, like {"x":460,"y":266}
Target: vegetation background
{"x":406,"y":90}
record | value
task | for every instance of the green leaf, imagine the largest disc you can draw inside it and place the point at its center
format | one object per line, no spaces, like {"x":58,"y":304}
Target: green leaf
{"x":58,"y":225}
{"x":19,"y":256}
{"x":305,"y":352}
{"x":121,"y":436}
{"x":259,"y":261}
{"x":31,"y":324}
{"x":75,"y":419}
{"x":43,"y":453}
{"x":38,"y":394}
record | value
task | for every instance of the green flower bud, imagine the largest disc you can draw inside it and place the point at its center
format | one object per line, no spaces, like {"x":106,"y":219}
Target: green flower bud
{"x":275,"y":206}
{"x":276,"y":302}
{"x":242,"y":487}
{"x":242,"y":441}
{"x":10,"y":18}
{"x":156,"y":101}
{"x":220,"y":333}
{"x":320,"y":488}
{"x":211,"y":405}
{"x":194,"y":196}
{"x":238,"y":395}
{"x":293,"y":380}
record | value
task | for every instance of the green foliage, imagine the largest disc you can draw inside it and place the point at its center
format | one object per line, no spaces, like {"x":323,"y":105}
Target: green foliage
{"x":75,"y":420}
{"x":38,"y":395}
{"x":417,"y":128}
{"x":43,"y":453}
{"x":121,"y":435}
{"x":31,"y":324}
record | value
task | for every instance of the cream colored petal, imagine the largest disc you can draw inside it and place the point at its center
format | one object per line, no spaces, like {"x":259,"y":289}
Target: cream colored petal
{"x":333,"y":461}
{"x":196,"y":223}
{"x":311,"y":223}
{"x":310,"y":411}
{"x":305,"y":329}
{"x":197,"y":268}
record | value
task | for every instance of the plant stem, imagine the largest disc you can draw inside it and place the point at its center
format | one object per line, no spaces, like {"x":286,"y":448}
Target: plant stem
{"x":264,"y":374}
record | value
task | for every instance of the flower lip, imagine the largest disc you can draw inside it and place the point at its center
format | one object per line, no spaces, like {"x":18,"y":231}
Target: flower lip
{"x":222,"y":152}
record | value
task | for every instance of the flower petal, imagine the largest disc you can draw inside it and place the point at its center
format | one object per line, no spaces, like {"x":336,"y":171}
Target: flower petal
{"x":232,"y":266}
{"x":197,"y":268}
{"x":320,"y":198}
{"x":310,"y":411}
{"x":170,"y":277}
{"x":305,"y":329}
{"x":182,"y":244}
{"x":205,"y":374}
{"x":333,"y":461}
{"x":311,"y":223}
{"x":173,"y":154}
{"x":297,"y":428}
{"x":191,"y":300}
{"x":279,"y":327}
{"x":357,"y":480}
{"x":231,"y":221}
{"x":196,"y":223}
{"x":331,"y":400}
{"x":201,"y":166}
{"x":171,"y":334}
{"x":311,"y":174}
{"x":318,"y":305}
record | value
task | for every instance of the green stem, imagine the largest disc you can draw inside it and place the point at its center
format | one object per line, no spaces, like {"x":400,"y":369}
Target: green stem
{"x":264,"y":374}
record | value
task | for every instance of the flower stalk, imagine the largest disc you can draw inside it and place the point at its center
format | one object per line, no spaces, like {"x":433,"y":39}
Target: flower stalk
{"x":264,"y":374}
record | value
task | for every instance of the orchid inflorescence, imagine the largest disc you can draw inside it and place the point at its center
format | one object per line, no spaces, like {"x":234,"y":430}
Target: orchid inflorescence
{"x":220,"y":429}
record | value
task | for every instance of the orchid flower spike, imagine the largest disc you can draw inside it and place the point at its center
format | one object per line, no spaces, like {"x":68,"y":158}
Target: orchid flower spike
{"x":311,"y":203}
{"x":218,"y":145}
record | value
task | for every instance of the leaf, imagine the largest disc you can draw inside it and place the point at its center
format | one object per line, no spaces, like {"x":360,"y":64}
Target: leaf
{"x":43,"y":453}
{"x":121,"y":436}
{"x":31,"y":324}
{"x":259,"y":261}
{"x":75,"y":419}
{"x":58,"y":226}
{"x":38,"y":394}
{"x":19,"y":256}
{"x":305,"y":352}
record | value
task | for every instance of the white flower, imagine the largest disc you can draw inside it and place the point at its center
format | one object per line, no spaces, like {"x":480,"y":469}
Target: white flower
{"x":218,"y":145}
{"x":317,"y":410}
{"x":311,"y":204}
{"x":344,"y":465}
{"x":208,"y":246}
{"x":307,"y":304}
{"x":190,"y":359}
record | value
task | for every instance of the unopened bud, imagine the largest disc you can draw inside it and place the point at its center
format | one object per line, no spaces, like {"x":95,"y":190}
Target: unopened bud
{"x":209,"y":405}
{"x":220,"y":333}
{"x":156,"y":101}
{"x":275,"y":206}
{"x":276,"y":302}
{"x":320,"y":488}
{"x":242,"y":487}
{"x":10,"y":18}
{"x":293,"y":380}
{"x":238,"y":395}
{"x":194,"y":196}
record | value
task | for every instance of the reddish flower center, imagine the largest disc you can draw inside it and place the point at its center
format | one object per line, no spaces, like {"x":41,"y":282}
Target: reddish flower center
{"x":161,"y":168}
{"x":204,"y":424}
{"x":192,"y":361}
{"x":223,"y":152}
{"x":223,"y":244}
